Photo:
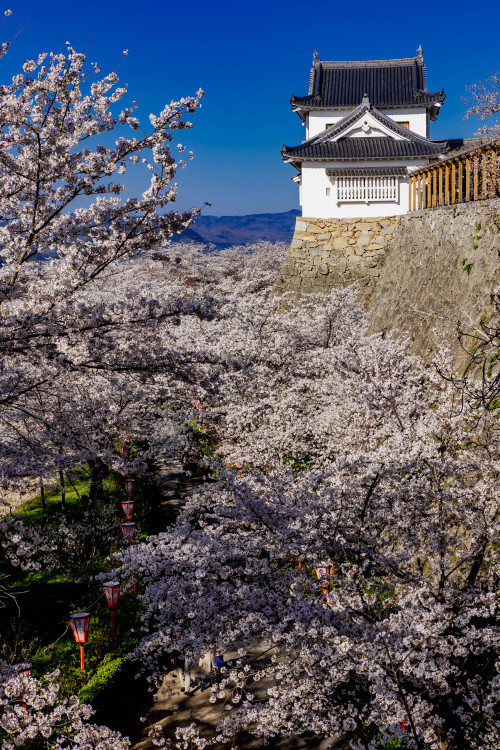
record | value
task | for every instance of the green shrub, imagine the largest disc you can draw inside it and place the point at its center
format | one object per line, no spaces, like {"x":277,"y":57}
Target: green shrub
{"x":103,"y":678}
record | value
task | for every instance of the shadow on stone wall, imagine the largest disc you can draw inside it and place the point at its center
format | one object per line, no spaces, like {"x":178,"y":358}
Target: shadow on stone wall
{"x":439,"y":274}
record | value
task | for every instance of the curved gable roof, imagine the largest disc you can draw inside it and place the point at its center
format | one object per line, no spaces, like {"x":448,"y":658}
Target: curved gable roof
{"x":365,"y":107}
{"x":322,"y":146}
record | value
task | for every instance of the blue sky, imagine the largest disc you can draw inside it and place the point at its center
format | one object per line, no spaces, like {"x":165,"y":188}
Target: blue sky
{"x":249,"y":57}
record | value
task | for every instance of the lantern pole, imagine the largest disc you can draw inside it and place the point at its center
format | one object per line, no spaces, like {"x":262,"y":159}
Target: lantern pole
{"x":128,"y":531}
{"x":113,"y":634}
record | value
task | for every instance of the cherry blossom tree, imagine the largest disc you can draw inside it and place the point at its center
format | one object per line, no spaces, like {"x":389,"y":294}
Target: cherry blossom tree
{"x":395,"y":496}
{"x":332,"y":448}
{"x":483,"y":99}
{"x":355,"y":457}
{"x":63,"y":224}
{"x":483,"y":103}
{"x":31,"y":710}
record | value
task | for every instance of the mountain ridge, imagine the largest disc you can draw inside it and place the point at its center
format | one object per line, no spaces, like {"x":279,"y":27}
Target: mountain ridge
{"x":224,"y":231}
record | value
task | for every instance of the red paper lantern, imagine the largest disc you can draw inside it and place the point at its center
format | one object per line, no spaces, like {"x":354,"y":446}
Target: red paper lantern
{"x":129,"y":487}
{"x":323,"y":573}
{"x":128,"y":531}
{"x":24,"y":670}
{"x":80,"y":626}
{"x":128,"y":509}
{"x":111,"y":593}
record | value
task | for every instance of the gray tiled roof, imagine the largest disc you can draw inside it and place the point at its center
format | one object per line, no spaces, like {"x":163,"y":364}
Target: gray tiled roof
{"x":388,"y":83}
{"x":364,"y":148}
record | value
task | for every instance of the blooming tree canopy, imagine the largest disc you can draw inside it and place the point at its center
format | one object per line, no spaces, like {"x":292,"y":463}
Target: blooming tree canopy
{"x":374,"y":467}
{"x":63,"y":224}
{"x":31,"y":710}
{"x":331,"y":450}
{"x":483,"y":99}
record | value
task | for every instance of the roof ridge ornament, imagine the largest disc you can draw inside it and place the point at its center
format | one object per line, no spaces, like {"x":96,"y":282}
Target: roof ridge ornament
{"x":365,"y":100}
{"x":315,"y":56}
{"x":420,"y":52}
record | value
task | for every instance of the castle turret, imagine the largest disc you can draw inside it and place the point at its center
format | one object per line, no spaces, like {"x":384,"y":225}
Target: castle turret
{"x":367,"y":127}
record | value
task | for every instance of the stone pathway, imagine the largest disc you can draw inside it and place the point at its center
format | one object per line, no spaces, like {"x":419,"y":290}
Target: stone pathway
{"x":169,"y":707}
{"x":172,"y":709}
{"x":173,"y":489}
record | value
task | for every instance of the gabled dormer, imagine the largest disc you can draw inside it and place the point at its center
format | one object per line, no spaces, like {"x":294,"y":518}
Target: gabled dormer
{"x":365,"y":133}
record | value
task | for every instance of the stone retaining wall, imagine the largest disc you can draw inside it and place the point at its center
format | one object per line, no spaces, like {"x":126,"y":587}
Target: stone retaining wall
{"x":439,"y":275}
{"x":328,"y":253}
{"x":425,"y":273}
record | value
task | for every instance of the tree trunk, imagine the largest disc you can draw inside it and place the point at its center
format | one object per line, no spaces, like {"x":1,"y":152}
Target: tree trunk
{"x":443,"y":742}
{"x":98,"y":471}
{"x":42,"y":495}
{"x":63,"y":491}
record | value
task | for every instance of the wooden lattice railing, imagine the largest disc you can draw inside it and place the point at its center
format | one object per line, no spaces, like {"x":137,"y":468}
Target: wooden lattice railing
{"x":469,"y":176}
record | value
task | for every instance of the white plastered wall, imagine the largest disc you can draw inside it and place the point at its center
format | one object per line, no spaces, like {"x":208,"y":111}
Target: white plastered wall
{"x":416,"y":117}
{"x":316,"y":122}
{"x":316,"y":202}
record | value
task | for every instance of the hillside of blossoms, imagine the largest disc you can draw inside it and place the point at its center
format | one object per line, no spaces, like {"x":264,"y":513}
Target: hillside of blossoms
{"x":330,"y":572}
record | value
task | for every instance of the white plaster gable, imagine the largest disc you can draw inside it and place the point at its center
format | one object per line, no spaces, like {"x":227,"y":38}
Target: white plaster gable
{"x":365,"y":126}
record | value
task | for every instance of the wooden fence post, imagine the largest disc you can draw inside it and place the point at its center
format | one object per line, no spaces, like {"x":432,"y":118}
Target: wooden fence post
{"x":476,"y":177}
{"x":484,"y":173}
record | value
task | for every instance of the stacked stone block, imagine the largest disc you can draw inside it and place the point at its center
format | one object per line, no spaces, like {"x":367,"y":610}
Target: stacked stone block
{"x":328,"y":253}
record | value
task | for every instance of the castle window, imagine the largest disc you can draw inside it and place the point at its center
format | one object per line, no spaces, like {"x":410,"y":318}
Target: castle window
{"x":404,"y":125}
{"x":329,"y":125}
{"x":328,"y":191}
{"x":367,"y":188}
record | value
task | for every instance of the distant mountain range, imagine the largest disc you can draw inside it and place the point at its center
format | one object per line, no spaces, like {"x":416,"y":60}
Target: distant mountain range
{"x":225,"y":231}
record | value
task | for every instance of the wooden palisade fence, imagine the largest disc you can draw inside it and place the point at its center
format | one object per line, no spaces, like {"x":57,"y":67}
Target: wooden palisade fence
{"x":469,"y":176}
